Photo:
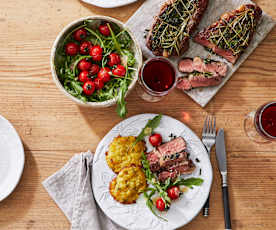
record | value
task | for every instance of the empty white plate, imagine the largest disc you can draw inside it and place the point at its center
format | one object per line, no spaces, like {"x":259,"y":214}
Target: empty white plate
{"x":12,"y":158}
{"x":109,"y":3}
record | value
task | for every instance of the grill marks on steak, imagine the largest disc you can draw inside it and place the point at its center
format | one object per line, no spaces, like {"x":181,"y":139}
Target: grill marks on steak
{"x":201,"y":73}
{"x":237,"y":27}
{"x":175,"y":20}
{"x":170,"y":159}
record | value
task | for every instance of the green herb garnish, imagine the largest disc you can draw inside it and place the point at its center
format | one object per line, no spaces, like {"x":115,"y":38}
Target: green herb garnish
{"x":148,"y":129}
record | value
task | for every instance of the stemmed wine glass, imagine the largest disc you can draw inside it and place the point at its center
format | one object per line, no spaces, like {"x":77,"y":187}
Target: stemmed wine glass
{"x":157,"y":78}
{"x":260,"y":125}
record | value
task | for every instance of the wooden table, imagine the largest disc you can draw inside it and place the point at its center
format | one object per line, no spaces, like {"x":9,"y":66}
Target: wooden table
{"x":53,"y":128}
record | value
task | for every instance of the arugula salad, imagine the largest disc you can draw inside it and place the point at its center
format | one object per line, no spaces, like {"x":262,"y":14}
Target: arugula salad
{"x":160,"y":193}
{"x":95,"y":63}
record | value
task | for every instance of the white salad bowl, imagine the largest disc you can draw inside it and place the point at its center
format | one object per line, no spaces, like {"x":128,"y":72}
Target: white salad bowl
{"x":59,"y":41}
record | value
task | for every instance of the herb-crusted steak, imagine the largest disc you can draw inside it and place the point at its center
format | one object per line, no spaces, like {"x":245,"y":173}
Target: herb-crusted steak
{"x":232,"y":33}
{"x":201,"y":73}
{"x":172,"y":28}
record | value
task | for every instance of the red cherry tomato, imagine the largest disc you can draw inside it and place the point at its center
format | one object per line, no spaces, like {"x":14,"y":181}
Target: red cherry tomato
{"x":88,"y":88}
{"x":104,"y":30}
{"x":84,"y":65}
{"x":96,"y":52}
{"x":94,"y":69}
{"x":85,"y":47}
{"x":80,"y":34}
{"x":113,"y":59}
{"x":104,"y":74}
{"x":71,"y":48}
{"x":84,"y":76}
{"x":119,"y":71}
{"x":99,"y":84}
{"x":155,"y":139}
{"x":173,"y":192}
{"x":160,"y":204}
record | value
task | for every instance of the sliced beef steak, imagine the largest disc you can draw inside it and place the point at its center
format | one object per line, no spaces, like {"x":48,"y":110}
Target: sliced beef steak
{"x":188,"y":65}
{"x":196,"y":81}
{"x":185,"y":167}
{"x":201,"y":73}
{"x":167,"y":154}
{"x":172,"y":28}
{"x":174,"y":146}
{"x":232,"y":33}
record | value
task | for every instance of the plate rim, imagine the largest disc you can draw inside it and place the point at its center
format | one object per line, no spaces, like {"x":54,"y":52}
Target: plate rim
{"x":99,"y":3}
{"x":21,"y":152}
{"x":164,"y":115}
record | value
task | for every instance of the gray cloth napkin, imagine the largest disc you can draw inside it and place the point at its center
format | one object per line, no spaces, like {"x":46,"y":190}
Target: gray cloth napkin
{"x":70,"y":188}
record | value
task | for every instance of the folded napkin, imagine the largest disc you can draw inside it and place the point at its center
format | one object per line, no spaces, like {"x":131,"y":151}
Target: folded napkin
{"x":70,"y":188}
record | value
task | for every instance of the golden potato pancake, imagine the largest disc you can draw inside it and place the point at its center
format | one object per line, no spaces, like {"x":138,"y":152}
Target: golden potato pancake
{"x":128,"y":184}
{"x":122,"y":154}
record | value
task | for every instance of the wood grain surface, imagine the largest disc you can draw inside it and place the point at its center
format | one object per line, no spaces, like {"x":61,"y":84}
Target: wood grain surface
{"x":53,"y":128}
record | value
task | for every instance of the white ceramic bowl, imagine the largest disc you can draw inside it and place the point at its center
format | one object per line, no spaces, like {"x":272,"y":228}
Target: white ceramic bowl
{"x":109,"y":3}
{"x":136,"y":49}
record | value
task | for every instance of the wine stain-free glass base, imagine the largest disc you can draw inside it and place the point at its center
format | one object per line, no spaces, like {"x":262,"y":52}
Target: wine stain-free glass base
{"x":250,"y":129}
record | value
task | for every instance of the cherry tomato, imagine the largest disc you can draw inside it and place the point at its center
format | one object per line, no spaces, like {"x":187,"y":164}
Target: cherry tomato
{"x":104,"y":74}
{"x":85,"y":47}
{"x":84,"y":65}
{"x":80,"y":34}
{"x":119,"y":71}
{"x":173,"y":192}
{"x":99,"y":84}
{"x":104,"y":30}
{"x":88,"y":88}
{"x":113,"y":59}
{"x":94,"y":69}
{"x":96,"y":52}
{"x":84,"y":76}
{"x":160,"y":204}
{"x":71,"y":48}
{"x":155,"y":139}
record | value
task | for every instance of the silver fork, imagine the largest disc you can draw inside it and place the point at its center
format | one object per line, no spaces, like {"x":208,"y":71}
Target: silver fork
{"x":208,"y":139}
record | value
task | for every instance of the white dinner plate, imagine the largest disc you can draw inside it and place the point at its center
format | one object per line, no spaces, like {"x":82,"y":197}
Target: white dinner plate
{"x":138,"y":216}
{"x":109,"y":3}
{"x":12,"y":158}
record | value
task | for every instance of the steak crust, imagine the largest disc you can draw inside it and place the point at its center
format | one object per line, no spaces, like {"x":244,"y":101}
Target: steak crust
{"x":192,"y":23}
{"x":232,"y":49}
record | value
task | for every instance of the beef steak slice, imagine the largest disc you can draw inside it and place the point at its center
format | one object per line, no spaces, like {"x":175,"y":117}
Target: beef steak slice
{"x":201,"y":73}
{"x":232,"y":33}
{"x":167,"y":154}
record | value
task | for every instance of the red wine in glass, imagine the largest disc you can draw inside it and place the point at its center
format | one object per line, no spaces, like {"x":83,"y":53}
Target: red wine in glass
{"x":157,"y":77}
{"x":265,"y":121}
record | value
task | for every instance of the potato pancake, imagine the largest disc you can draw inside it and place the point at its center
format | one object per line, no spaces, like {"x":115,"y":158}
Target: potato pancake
{"x":128,"y":184}
{"x":122,"y":154}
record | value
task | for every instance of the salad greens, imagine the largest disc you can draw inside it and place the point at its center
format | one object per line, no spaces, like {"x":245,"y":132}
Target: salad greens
{"x":161,"y":188}
{"x":157,"y":187}
{"x":119,"y":42}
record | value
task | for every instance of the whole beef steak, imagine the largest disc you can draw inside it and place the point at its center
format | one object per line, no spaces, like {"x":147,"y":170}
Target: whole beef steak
{"x":172,"y":28}
{"x":232,"y":33}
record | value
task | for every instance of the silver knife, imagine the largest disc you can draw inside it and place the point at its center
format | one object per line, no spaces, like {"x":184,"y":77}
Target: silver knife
{"x":222,"y":163}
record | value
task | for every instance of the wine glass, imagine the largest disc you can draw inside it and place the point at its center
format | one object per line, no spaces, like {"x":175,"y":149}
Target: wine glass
{"x":157,"y":78}
{"x":260,"y":125}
